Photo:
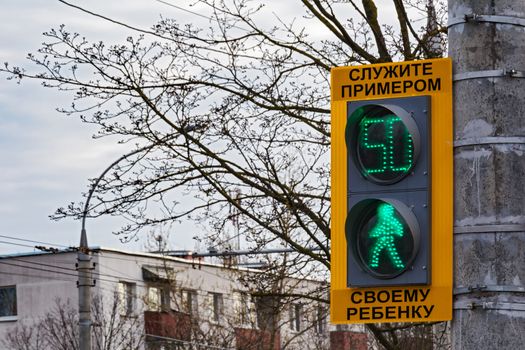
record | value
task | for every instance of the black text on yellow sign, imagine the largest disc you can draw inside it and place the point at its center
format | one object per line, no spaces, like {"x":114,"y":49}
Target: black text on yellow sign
{"x":369,"y":305}
{"x":356,"y":299}
{"x":369,"y":81}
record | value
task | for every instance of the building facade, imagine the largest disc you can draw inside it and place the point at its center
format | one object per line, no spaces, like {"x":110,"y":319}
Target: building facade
{"x":154,"y":302}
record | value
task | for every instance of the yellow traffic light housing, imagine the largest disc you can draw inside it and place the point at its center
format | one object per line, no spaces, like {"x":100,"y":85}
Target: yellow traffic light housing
{"x":392,"y":192}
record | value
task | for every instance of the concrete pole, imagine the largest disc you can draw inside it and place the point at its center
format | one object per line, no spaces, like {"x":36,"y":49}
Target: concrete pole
{"x":84,"y":293}
{"x":487,"y":45}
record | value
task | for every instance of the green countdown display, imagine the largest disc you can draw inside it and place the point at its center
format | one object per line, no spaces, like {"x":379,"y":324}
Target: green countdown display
{"x":385,"y":148}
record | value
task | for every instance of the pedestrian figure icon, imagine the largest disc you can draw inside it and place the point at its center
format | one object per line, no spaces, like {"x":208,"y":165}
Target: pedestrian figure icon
{"x":387,"y":228}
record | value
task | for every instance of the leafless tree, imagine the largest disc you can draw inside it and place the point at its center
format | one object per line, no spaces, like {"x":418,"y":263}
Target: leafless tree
{"x":234,"y":115}
{"x":58,"y":329}
{"x":265,"y":312}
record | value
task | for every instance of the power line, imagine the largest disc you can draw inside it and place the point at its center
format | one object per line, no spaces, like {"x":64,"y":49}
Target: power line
{"x":101,"y":275}
{"x":18,"y":244}
{"x":105,"y":277}
{"x":43,"y":266}
{"x":35,"y":276}
{"x":10,"y":273}
{"x":144,"y":31}
{"x":61,"y":272}
{"x":236,"y":252}
{"x":74,"y":270}
{"x":32,"y":241}
{"x":197,"y":14}
{"x":36,"y":247}
{"x":185,"y":10}
{"x":38,"y":269}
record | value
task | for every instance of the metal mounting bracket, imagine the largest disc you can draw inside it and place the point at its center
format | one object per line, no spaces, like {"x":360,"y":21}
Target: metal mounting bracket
{"x":476,"y":18}
{"x":490,"y":140}
{"x":490,"y":288}
{"x":495,"y":228}
{"x":489,"y":305}
{"x":496,"y":73}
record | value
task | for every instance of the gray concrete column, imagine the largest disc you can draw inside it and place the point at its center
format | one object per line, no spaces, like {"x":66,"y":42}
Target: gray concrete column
{"x":488,"y":53}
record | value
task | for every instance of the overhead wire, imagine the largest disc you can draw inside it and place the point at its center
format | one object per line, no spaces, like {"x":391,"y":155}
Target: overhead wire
{"x":9,"y":273}
{"x":18,"y":244}
{"x":47,"y":265}
{"x":118,"y":277}
{"x":31,"y":241}
{"x":103,"y":277}
{"x":97,"y":276}
{"x":37,"y":269}
{"x":211,"y":19}
{"x":117,"y":280}
{"x":185,"y":10}
{"x":143,"y":31}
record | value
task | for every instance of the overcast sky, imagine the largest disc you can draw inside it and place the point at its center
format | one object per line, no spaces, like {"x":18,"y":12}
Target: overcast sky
{"x":46,"y":158}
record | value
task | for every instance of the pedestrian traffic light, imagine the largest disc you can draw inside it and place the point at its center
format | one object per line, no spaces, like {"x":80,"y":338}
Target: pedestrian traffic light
{"x":388,"y":222}
{"x":391,"y":236}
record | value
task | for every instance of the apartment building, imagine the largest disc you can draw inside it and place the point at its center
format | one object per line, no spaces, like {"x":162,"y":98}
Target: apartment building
{"x":155,"y":302}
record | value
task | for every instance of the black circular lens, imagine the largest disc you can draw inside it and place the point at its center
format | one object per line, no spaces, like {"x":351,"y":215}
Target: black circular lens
{"x":385,"y":143}
{"x":385,"y":237}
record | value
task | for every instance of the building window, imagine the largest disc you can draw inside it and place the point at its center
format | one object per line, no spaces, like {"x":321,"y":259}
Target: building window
{"x":320,"y":319}
{"x":245,"y":309}
{"x":8,"y":307}
{"x":267,"y":309}
{"x":126,"y":298}
{"x":158,"y":299}
{"x":153,"y":299}
{"x":296,"y":311}
{"x":190,"y":302}
{"x":218,"y":307}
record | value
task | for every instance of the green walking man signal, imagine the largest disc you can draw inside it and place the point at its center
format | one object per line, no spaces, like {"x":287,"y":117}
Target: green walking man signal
{"x":385,"y":232}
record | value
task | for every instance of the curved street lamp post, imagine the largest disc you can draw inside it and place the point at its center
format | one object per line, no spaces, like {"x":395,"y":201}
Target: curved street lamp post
{"x":84,"y":266}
